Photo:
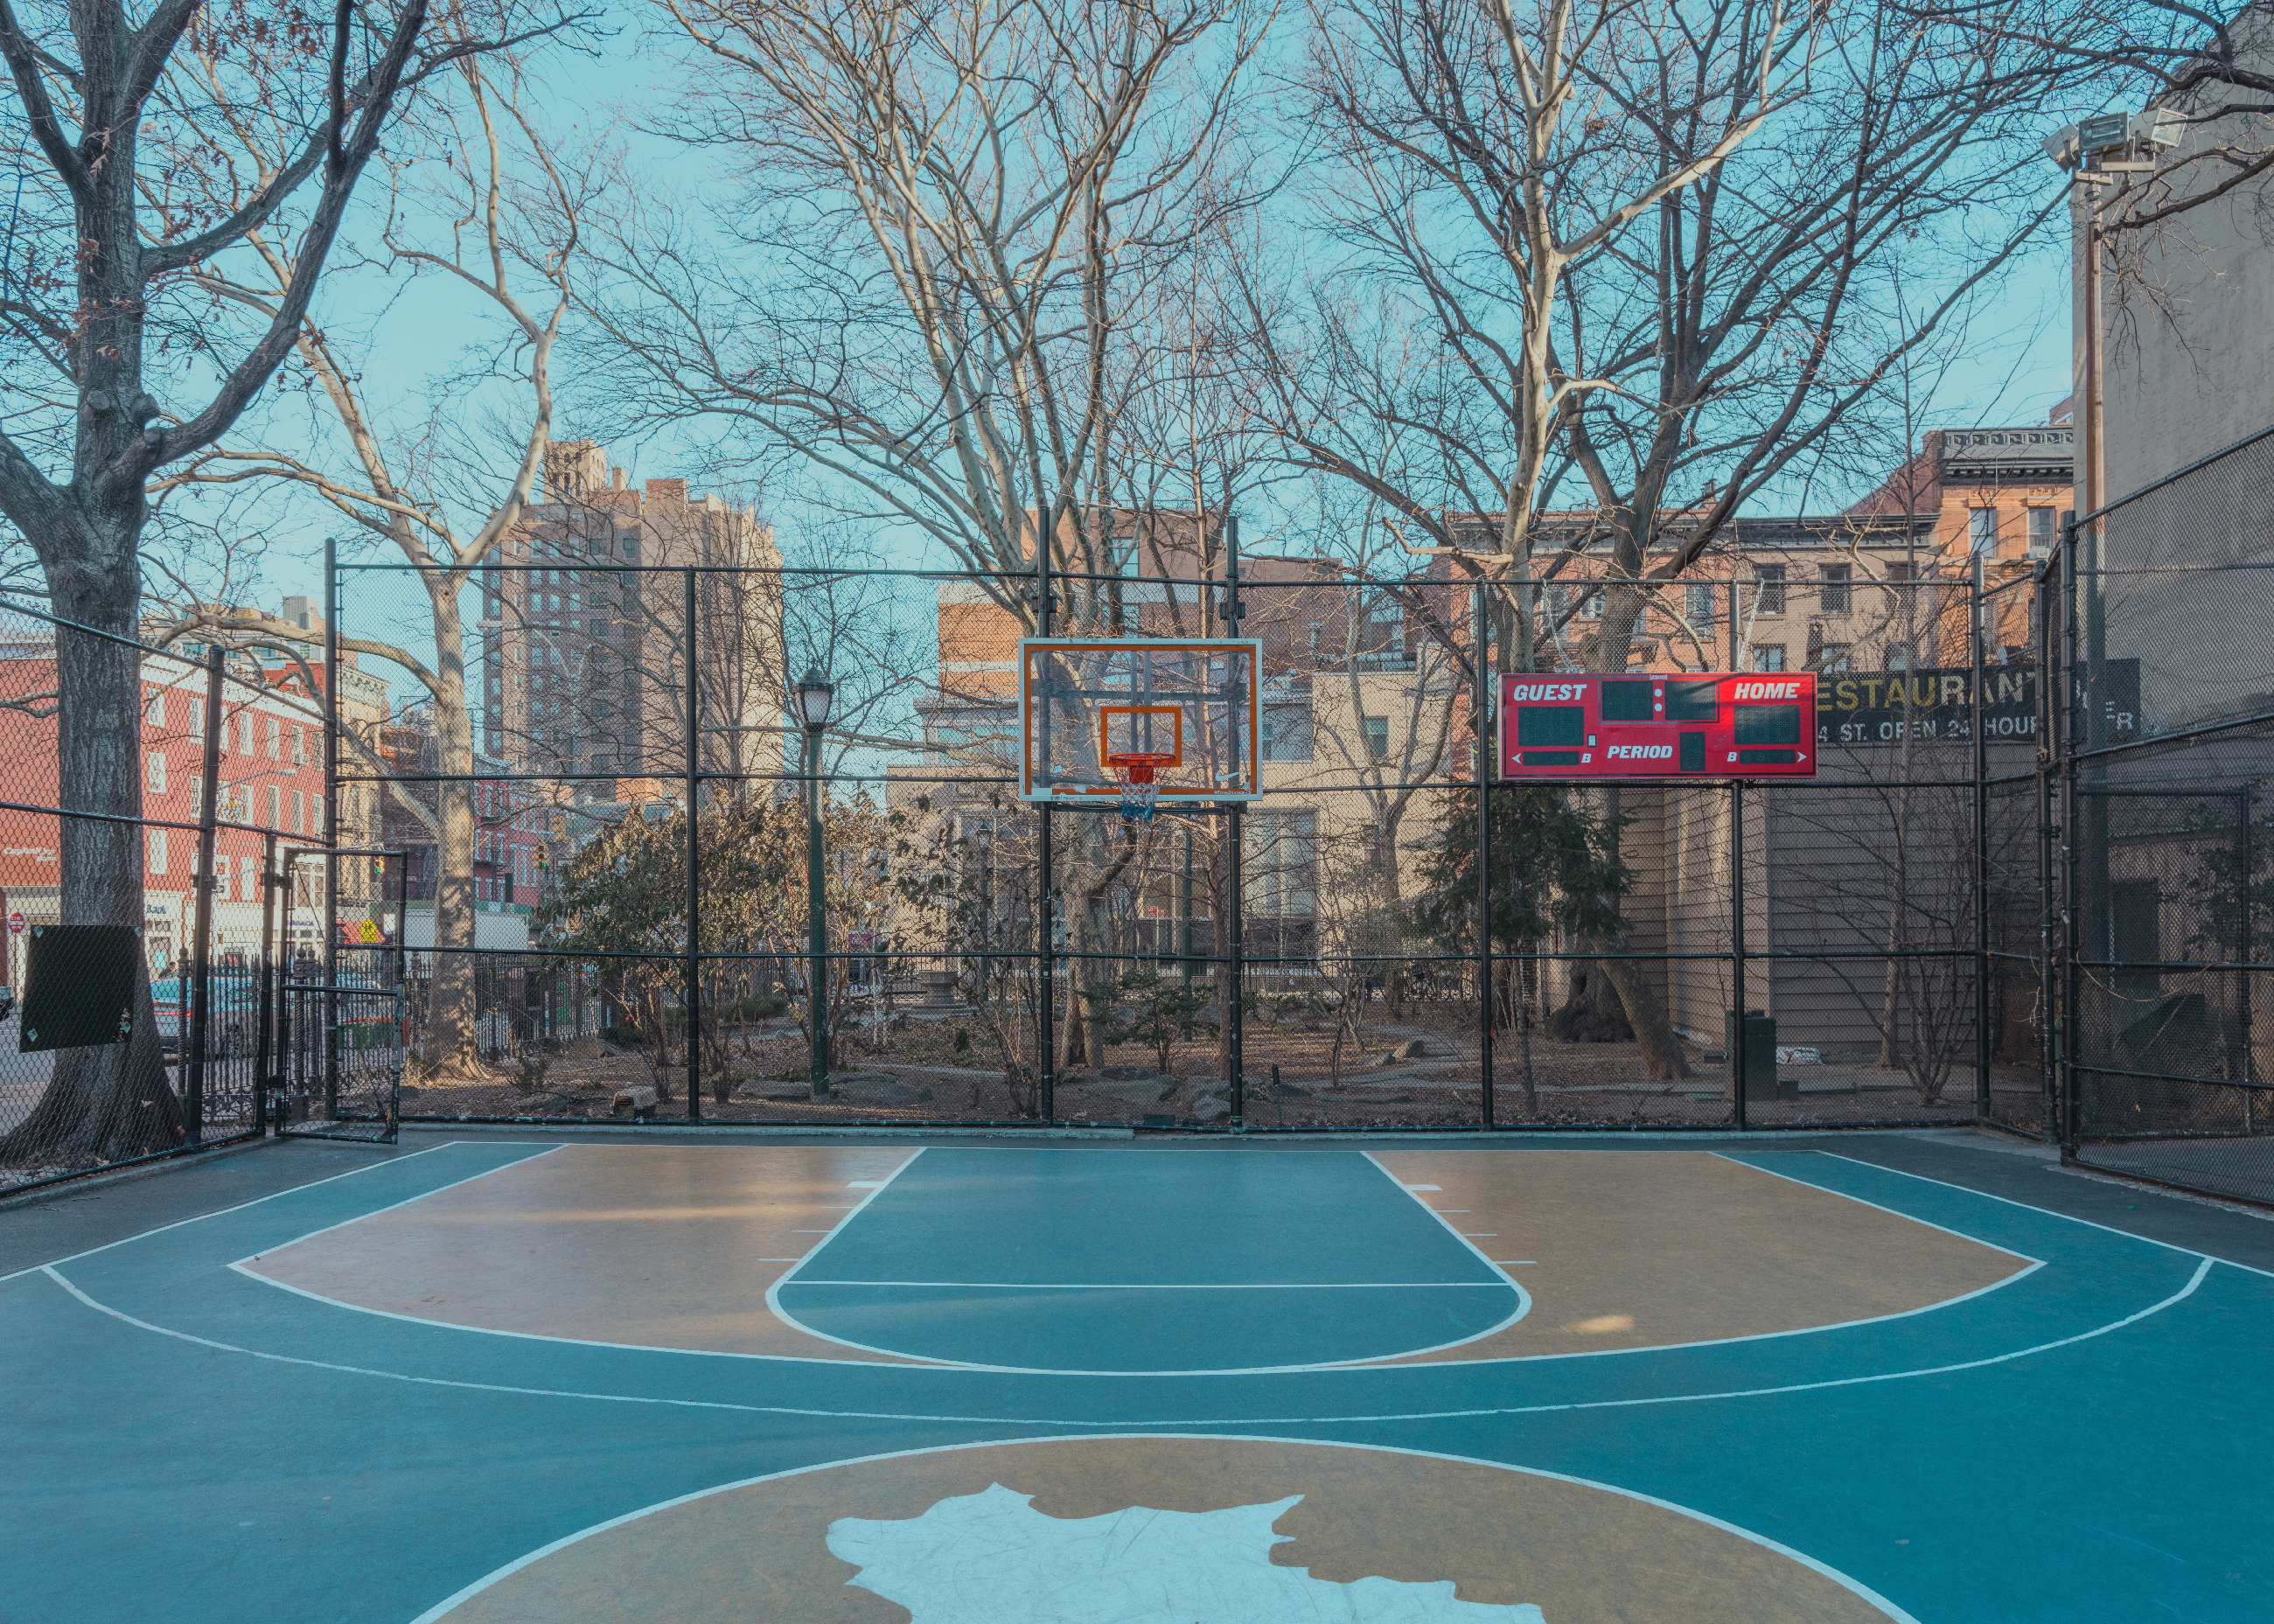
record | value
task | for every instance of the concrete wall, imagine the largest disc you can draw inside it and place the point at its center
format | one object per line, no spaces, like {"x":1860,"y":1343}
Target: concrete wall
{"x":2187,"y":304}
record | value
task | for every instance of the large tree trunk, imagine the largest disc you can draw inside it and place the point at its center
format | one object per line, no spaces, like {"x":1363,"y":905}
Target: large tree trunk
{"x":452,"y":1018}
{"x":109,"y":1104}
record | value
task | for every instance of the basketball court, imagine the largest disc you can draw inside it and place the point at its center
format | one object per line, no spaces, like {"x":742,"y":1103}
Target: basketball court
{"x":494,"y":1379}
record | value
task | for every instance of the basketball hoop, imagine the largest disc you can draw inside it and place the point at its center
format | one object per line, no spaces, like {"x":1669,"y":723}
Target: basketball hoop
{"x":1132,"y":770}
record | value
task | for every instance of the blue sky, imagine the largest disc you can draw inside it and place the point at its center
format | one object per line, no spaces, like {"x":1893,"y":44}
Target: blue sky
{"x":2013,"y":369}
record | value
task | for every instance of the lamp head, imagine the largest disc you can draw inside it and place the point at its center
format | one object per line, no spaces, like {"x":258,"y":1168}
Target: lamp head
{"x":813,"y":693}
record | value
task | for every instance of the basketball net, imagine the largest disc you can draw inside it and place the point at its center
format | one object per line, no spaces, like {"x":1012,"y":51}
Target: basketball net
{"x":1134,"y":771}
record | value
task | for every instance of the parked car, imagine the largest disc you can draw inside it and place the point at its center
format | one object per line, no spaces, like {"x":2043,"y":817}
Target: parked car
{"x":230,"y":1017}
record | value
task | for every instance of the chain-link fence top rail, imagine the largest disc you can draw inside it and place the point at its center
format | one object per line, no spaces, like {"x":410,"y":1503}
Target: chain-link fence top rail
{"x":2167,"y":880}
{"x":75,"y":883}
{"x":554,"y":871}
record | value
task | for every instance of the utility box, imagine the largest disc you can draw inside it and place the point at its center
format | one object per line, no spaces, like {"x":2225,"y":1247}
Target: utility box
{"x":1759,"y":1051}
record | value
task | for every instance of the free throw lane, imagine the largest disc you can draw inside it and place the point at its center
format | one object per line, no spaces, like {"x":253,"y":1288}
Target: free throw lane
{"x":1055,"y":1259}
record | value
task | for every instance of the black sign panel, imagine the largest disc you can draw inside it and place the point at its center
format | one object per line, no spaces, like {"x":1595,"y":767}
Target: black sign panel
{"x":79,"y":986}
{"x":1876,"y":707}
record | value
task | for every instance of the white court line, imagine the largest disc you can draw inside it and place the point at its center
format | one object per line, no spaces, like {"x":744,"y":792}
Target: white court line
{"x":2034,"y":1264}
{"x":1132,"y":1285}
{"x":1862,"y":1593}
{"x":1924,"y":1223}
{"x":1523,"y":1306}
{"x":2183,"y":1293}
{"x":223,"y":1212}
{"x":391,"y":1206}
{"x":534,"y":1336}
{"x":2185,"y":1252}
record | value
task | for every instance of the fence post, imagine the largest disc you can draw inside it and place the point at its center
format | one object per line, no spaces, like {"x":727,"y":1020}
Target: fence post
{"x":1736,"y":1040}
{"x":1046,"y":975}
{"x":1047,"y":978}
{"x":329,"y":1019}
{"x":1484,"y":868}
{"x":2049,"y":719}
{"x":264,"y":1014}
{"x":693,"y":978}
{"x":193,"y":1044}
{"x":2242,"y":954}
{"x":2072,"y":1027}
{"x":1980,"y":862}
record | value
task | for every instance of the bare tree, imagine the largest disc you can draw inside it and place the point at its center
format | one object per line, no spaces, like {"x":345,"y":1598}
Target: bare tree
{"x":1635,"y":259}
{"x":488,"y":187}
{"x":121,"y":143}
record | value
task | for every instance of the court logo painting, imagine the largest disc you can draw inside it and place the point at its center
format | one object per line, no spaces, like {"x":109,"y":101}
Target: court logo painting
{"x":992,"y":1557}
{"x":1165,"y":1529}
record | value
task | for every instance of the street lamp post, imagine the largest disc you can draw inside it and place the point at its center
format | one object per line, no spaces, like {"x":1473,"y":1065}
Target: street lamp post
{"x":814,"y":694}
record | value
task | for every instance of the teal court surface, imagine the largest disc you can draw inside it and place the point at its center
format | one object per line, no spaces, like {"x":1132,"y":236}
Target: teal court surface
{"x":1003,"y":1381}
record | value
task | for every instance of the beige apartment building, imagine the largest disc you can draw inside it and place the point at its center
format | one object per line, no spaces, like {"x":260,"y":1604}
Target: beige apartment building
{"x":584,"y":626}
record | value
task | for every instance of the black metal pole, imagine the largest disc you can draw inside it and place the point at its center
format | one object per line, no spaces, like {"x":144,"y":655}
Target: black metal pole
{"x":1235,"y":1013}
{"x":2050,"y":677}
{"x":1484,"y":866}
{"x":1736,"y":1039}
{"x":332,"y":723}
{"x":265,"y":1015}
{"x":1235,"y":946}
{"x":1047,"y":971}
{"x":1046,"y":966}
{"x":194,"y":1047}
{"x":693,"y":993}
{"x":1981,"y":863}
{"x":816,"y":929}
{"x":2071,"y":986}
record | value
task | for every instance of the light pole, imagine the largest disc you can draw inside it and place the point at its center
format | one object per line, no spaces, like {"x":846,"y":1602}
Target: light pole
{"x":814,"y":694}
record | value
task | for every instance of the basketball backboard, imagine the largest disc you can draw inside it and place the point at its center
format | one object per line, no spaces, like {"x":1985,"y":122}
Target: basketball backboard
{"x":1082,"y":702}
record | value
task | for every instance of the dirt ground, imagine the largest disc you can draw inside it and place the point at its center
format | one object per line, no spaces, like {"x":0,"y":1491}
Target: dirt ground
{"x":1417,"y":1068}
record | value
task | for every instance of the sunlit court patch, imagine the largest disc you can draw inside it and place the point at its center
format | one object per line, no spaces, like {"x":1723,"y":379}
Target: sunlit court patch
{"x":1155,"y":1261}
{"x":647,"y":1245}
{"x":1061,"y":1532}
{"x":1644,"y":1249}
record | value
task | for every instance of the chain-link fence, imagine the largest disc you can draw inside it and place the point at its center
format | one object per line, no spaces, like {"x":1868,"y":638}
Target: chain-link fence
{"x":863,"y":923}
{"x":154,"y":798}
{"x":979,"y":960}
{"x":2166,"y":741}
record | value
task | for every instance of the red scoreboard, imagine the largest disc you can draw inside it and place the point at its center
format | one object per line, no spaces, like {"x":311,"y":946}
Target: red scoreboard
{"x":1708,"y":724}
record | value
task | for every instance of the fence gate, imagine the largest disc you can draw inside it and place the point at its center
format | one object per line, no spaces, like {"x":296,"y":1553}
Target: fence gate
{"x":340,"y":1015}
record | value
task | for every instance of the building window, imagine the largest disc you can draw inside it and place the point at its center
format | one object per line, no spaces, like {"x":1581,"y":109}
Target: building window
{"x":1833,"y":591}
{"x":197,"y":789}
{"x":275,"y":806}
{"x":158,"y":850}
{"x":276,"y":739}
{"x":1768,"y":657}
{"x":1981,"y":532}
{"x":1700,"y":607}
{"x":1899,"y":656}
{"x":157,"y":707}
{"x":1834,"y":658}
{"x":1592,"y":609}
{"x":221,"y":879}
{"x":2041,"y":532}
{"x":316,"y":815}
{"x":1287,"y":731}
{"x":301,"y":812}
{"x":299,"y":748}
{"x":1282,"y":863}
{"x":244,"y":733}
{"x":1377,"y":737}
{"x":157,"y":773}
{"x":1768,"y":590}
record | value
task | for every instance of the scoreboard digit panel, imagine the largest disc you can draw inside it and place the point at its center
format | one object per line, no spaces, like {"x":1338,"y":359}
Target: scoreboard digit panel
{"x":1665,"y":725}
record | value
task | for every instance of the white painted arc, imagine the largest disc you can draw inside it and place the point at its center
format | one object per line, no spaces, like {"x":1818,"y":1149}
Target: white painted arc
{"x":1862,"y":1593}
